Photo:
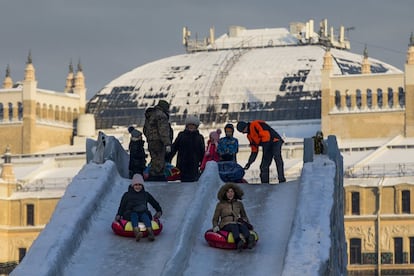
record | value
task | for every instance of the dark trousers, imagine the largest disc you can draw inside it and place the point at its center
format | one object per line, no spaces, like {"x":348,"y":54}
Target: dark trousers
{"x":272,"y":151}
{"x":157,"y":152}
{"x":236,"y":229}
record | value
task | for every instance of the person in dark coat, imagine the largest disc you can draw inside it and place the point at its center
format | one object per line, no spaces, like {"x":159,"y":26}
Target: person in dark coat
{"x":260,"y":134}
{"x":190,"y":148}
{"x":158,"y":132}
{"x":230,"y":212}
{"x":137,"y":155}
{"x":134,"y":207}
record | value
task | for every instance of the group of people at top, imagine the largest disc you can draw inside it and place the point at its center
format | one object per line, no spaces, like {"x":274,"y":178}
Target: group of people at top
{"x":192,"y":153}
{"x":192,"y":156}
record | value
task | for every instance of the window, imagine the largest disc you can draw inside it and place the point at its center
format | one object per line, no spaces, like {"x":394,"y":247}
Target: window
{"x":30,"y":214}
{"x":369,"y":98}
{"x":358,"y":99}
{"x":1,"y":112}
{"x":10,"y":112}
{"x":348,"y":100}
{"x":390,"y":97}
{"x":355,"y":203}
{"x":379,"y":97}
{"x":405,"y":202}
{"x":411,"y":250}
{"x":338,"y":99}
{"x":398,"y":250}
{"x":355,"y":251}
{"x":22,"y":253}
{"x":20,"y":111}
{"x":401,"y":96}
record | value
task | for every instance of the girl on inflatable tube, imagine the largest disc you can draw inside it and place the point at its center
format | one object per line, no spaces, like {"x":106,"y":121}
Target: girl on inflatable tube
{"x":133,"y":207}
{"x":231,"y":216}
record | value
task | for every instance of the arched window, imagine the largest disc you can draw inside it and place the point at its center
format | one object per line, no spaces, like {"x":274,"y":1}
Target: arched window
{"x":44,"y":111}
{"x":63,"y":114}
{"x":379,"y":97}
{"x":20,"y":111}
{"x":1,"y":112}
{"x":38,"y":111}
{"x":50,"y":112}
{"x":57,"y":113}
{"x":358,"y":99}
{"x":390,"y":97}
{"x":10,"y":111}
{"x":338,"y":99}
{"x":348,"y":100}
{"x":401,"y":96}
{"x":369,"y":98}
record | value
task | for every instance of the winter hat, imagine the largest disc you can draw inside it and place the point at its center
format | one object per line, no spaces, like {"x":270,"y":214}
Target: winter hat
{"x":137,"y":179}
{"x":136,"y":133}
{"x":164,"y":105}
{"x":192,"y":120}
{"x":241,"y":125}
{"x":215,"y":135}
{"x":230,"y":126}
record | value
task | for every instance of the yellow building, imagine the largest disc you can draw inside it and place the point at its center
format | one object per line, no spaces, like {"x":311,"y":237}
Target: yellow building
{"x":379,"y":225}
{"x":34,"y":119}
{"x":379,"y":220}
{"x":368,"y":105}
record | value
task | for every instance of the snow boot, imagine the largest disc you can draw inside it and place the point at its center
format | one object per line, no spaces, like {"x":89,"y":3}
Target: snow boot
{"x":138,"y":234}
{"x":240,"y":245}
{"x":251,"y":241}
{"x":151,"y":236}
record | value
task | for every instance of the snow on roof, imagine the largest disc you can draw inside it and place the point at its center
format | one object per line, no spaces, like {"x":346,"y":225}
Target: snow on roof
{"x":273,"y":83}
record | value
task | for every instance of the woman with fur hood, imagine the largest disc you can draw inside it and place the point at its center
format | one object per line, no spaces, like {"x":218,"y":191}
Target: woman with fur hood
{"x":228,"y":214}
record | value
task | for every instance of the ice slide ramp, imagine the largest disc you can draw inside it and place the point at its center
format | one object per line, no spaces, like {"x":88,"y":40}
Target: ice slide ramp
{"x":78,"y":239}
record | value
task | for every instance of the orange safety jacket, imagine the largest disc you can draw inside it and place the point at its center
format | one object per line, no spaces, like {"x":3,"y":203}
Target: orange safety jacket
{"x":260,"y":132}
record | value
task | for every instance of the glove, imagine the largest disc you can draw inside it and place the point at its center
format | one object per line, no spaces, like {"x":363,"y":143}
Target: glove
{"x":216,"y":229}
{"x":247,"y":166}
{"x":157,"y":215}
{"x":117,"y":217}
{"x":168,"y":149}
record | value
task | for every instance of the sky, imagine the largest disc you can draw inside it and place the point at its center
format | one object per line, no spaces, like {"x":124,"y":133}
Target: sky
{"x":110,"y":38}
{"x":78,"y":237}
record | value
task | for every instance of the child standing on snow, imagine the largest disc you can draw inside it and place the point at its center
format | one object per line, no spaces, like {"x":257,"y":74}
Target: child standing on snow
{"x":228,"y":146}
{"x":211,"y":153}
{"x":137,"y":156}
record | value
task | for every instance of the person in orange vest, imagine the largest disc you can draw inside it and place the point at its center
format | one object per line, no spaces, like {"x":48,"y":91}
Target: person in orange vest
{"x":259,"y":133}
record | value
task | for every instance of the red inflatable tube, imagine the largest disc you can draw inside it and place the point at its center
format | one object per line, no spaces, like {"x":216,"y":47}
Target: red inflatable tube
{"x":223,"y":239}
{"x":124,"y":228}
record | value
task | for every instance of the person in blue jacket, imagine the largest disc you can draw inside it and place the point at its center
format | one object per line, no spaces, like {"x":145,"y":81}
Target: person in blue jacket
{"x":228,"y":146}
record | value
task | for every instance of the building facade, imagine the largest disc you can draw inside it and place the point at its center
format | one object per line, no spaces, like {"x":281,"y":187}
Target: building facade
{"x":379,"y":225}
{"x":382,"y":103}
{"x":34,"y":119}
{"x":379,"y":220}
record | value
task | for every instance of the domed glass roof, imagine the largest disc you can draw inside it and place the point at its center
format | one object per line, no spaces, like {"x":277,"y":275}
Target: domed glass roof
{"x":266,"y":74}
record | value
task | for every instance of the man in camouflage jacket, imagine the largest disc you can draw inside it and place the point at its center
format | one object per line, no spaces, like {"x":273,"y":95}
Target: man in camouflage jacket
{"x":157,"y":130}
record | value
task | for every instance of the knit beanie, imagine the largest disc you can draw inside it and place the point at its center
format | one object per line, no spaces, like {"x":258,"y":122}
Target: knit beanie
{"x":137,"y":179}
{"x":192,"y":120}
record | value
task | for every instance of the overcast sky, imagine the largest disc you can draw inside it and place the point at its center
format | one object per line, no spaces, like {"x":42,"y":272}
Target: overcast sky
{"x":112,"y":37}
